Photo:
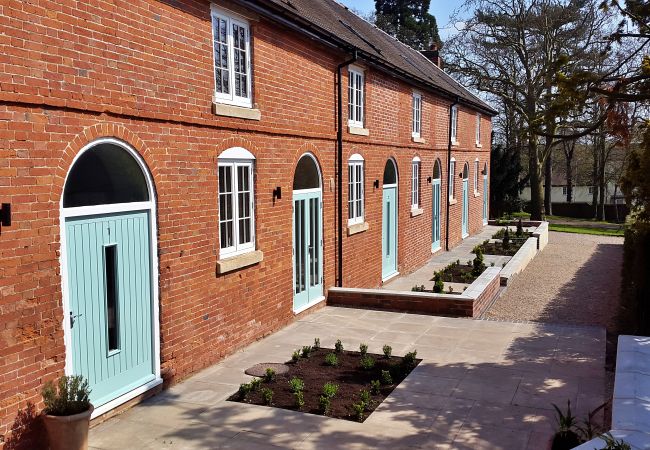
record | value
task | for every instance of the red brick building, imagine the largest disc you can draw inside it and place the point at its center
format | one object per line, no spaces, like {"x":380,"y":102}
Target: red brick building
{"x":179,"y":186}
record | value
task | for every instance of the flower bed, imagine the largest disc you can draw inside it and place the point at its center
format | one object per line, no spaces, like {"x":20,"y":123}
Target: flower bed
{"x":334,"y":382}
{"x":497,"y":248}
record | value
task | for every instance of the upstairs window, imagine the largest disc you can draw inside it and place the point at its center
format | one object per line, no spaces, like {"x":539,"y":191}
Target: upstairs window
{"x":454,"y":124}
{"x":478,"y":129}
{"x":417,"y":115}
{"x":476,"y":176}
{"x":452,"y":186}
{"x":236,"y":202}
{"x":415,"y":183}
{"x":355,"y":97}
{"x":231,"y":44}
{"x":355,"y":189}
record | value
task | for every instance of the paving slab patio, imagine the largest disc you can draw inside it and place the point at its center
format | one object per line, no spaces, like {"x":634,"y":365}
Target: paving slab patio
{"x":481,"y":384}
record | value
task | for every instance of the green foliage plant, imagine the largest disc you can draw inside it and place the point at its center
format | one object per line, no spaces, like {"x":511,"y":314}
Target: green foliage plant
{"x":338,"y":346}
{"x":316,"y":345}
{"x":367,"y":362}
{"x":506,"y":238}
{"x":267,"y":396}
{"x":295,"y":357}
{"x":386,"y":378}
{"x":375,"y":386}
{"x":269,"y":375}
{"x":306,"y":351}
{"x":359,"y":409}
{"x":296,"y":384}
{"x":409,"y":359}
{"x":330,"y":389}
{"x":388,"y":351}
{"x":438,"y":284}
{"x":299,"y":399}
{"x":331,"y":360}
{"x":68,"y":397}
{"x":363,"y":349}
{"x":612,"y":443}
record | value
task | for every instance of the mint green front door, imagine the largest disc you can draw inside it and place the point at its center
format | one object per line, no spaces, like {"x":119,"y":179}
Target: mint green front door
{"x":307,"y":249}
{"x":435,"y":185}
{"x":109,"y":277}
{"x":485,"y":199}
{"x":389,"y":232}
{"x":465,"y":214}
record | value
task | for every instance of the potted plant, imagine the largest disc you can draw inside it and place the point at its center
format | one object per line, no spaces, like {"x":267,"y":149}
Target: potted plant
{"x":565,"y":437}
{"x":67,"y":413}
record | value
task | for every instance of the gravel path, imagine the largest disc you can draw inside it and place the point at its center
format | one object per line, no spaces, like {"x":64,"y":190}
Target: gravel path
{"x":575,"y":279}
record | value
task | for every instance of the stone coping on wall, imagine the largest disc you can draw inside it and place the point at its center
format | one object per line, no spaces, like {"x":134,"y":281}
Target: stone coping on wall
{"x":631,"y":400}
{"x":519,"y":261}
{"x":470,"y":303}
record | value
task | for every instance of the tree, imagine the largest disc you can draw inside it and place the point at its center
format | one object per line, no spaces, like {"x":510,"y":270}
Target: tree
{"x":636,"y":181}
{"x":409,"y":21}
{"x":505,"y":185}
{"x":519,"y":51}
{"x":569,"y":147}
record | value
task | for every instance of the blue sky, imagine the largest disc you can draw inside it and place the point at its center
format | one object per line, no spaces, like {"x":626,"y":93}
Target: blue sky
{"x":441,"y":9}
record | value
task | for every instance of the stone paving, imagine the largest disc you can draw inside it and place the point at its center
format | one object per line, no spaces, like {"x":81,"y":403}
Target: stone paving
{"x":440,"y":260}
{"x":481,"y":384}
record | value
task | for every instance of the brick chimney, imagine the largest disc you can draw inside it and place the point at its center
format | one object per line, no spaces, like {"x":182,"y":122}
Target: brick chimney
{"x":433,"y":55}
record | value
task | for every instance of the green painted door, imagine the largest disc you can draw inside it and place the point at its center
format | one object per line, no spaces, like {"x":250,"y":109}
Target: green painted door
{"x":389,"y":232}
{"x":436,"y":214}
{"x":465,"y":215}
{"x":307,"y":248}
{"x":109,"y":285}
{"x":485,"y":200}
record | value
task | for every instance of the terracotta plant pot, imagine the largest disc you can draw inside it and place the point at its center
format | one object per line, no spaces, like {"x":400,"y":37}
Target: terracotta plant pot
{"x":68,"y":432}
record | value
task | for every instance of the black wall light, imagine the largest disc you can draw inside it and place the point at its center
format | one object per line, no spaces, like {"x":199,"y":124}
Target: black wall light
{"x":277,"y":193}
{"x":5,"y":215}
{"x":429,"y":180}
{"x":376,"y":184}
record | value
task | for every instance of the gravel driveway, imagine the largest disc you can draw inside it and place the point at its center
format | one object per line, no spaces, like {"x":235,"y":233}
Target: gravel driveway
{"x":575,"y":280}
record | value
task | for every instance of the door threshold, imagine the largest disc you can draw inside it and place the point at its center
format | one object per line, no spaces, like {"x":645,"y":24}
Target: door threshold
{"x":106,"y":407}
{"x":309,"y":305}
{"x":464,"y":236}
{"x":389,"y":277}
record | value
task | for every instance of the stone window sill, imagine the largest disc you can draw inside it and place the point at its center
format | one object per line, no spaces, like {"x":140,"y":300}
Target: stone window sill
{"x":453,"y":201}
{"x":240,"y":112}
{"x":477,"y":194}
{"x":358,"y":228}
{"x":455,"y":143}
{"x":237,"y":262}
{"x":419,"y":140}
{"x":358,"y":131}
{"x":479,"y":146}
{"x":416,"y":211}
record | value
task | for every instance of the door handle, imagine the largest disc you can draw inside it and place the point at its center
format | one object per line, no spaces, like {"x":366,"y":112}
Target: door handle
{"x":73,"y":317}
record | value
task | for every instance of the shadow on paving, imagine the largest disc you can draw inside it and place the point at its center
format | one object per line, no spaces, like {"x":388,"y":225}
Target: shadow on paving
{"x":500,"y":404}
{"x":596,"y":286}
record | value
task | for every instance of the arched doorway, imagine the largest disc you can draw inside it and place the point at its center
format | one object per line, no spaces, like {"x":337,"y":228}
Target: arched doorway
{"x":465,"y":215}
{"x":109,"y":273}
{"x":435,"y":206}
{"x":389,"y":221}
{"x":307,"y":234}
{"x":486,"y":198}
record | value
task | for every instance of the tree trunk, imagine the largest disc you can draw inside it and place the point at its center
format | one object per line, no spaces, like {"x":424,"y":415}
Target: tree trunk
{"x":601,"y":185}
{"x":548,"y":184}
{"x":594,"y":181}
{"x":535,"y":181}
{"x":568,"y":154}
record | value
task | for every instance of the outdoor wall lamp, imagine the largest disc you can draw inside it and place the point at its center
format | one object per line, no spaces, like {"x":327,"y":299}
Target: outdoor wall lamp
{"x":460,"y":175}
{"x":429,"y":180}
{"x":376,"y":184}
{"x":277,"y":193}
{"x":5,"y":215}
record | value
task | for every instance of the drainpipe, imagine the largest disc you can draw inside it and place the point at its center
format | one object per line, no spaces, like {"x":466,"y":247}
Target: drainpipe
{"x":339,"y":162}
{"x":452,"y":176}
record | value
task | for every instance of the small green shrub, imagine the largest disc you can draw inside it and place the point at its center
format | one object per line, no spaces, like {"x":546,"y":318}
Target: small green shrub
{"x":296,"y":384}
{"x":316,"y":345}
{"x":417,"y":288}
{"x":324,"y":404}
{"x":359,"y":409}
{"x":255,"y":384}
{"x":506,"y":238}
{"x":244,"y":390}
{"x":299,"y":399}
{"x":331,"y":360}
{"x":450,"y":289}
{"x":364,"y":395}
{"x":469,"y":263}
{"x":478,"y":264}
{"x":367,"y":362}
{"x":363,"y":349}
{"x":520,"y":229}
{"x":492,"y":264}
{"x":306,"y":351}
{"x":295,"y":356}
{"x":388,"y":351}
{"x":269,"y":375}
{"x":386,"y":378}
{"x":409,"y":359}
{"x":614,"y":444}
{"x":70,"y":396}
{"x":330,"y":389}
{"x":438,"y":285}
{"x":338,"y":346}
{"x":375,"y":386}
{"x":267,"y":396}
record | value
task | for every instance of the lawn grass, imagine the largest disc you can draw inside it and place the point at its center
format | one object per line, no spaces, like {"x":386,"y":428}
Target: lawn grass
{"x":586,"y":230}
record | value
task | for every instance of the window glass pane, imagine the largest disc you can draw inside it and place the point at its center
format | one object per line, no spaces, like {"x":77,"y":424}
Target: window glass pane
{"x":105,"y":174}
{"x":221,"y":55}
{"x":110,"y":259}
{"x":306,"y":176}
{"x":390,"y":175}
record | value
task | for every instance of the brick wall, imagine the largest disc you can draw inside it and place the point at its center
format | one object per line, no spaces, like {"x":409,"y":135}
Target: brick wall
{"x":141,"y":71}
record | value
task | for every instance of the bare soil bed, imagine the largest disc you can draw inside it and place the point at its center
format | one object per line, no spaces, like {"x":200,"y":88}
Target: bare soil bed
{"x":497,"y":248}
{"x":350,"y":377}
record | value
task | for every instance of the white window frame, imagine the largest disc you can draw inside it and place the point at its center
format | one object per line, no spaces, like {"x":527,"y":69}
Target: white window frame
{"x":476,"y":185}
{"x":356,"y":103}
{"x":564,"y":190}
{"x":356,"y":190}
{"x":415,"y":183}
{"x":478,"y":129}
{"x":452,"y":178}
{"x":454,"y":124}
{"x":234,"y":158}
{"x":417,"y":115}
{"x":230,"y":98}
